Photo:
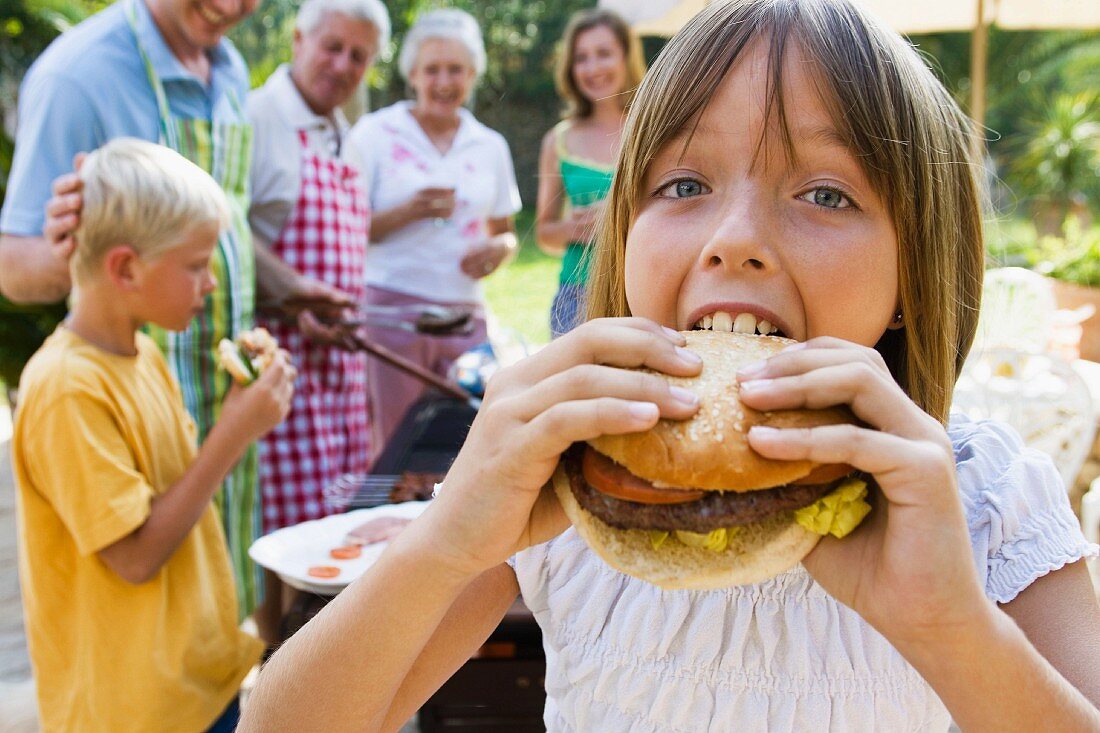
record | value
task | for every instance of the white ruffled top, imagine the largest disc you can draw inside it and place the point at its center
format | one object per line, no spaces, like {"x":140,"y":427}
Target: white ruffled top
{"x":782,"y":655}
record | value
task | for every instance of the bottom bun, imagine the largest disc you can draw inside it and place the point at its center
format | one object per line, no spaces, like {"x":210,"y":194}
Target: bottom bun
{"x":757,"y":552}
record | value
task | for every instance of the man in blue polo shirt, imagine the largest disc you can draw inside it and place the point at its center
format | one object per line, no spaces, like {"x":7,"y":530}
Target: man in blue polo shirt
{"x":92,"y":85}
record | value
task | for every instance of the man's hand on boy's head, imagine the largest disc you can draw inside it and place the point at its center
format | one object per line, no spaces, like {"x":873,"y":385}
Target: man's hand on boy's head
{"x":63,"y":210}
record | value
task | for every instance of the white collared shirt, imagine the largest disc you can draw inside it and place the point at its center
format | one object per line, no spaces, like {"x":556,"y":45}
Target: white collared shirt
{"x":277,"y":112}
{"x":422,"y":259}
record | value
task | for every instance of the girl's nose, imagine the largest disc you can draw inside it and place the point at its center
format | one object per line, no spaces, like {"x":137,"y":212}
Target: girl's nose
{"x":740,"y":242}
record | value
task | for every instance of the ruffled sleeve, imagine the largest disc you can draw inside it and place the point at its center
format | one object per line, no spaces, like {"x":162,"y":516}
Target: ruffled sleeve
{"x":1021,"y":523}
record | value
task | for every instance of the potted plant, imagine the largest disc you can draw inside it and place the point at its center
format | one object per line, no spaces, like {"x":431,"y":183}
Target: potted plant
{"x":1072,"y":262}
{"x":1056,"y":164}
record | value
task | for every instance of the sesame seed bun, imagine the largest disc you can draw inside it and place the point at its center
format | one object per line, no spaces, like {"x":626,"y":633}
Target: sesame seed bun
{"x":711,"y":450}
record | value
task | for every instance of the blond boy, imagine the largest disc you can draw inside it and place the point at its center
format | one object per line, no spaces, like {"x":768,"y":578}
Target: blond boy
{"x":130,"y":608}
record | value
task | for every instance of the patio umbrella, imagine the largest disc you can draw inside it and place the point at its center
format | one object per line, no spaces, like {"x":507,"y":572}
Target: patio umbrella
{"x":665,"y":17}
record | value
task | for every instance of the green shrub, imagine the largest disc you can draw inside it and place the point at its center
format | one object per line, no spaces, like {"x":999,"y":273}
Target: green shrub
{"x":22,"y":331}
{"x":1074,"y":258}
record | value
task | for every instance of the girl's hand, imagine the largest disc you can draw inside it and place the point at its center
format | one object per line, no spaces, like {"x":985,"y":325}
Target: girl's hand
{"x":908,"y":569}
{"x":495,"y":500}
{"x":483,"y":259}
{"x":585,"y":219}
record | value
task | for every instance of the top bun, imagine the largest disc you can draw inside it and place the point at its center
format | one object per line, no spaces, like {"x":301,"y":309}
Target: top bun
{"x":711,"y":450}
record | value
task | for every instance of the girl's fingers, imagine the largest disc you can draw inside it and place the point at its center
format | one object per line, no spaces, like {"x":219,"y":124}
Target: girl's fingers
{"x":555,"y":429}
{"x":815,"y":354}
{"x":872,"y":394}
{"x":621,"y":342}
{"x":592,"y":381}
{"x":907,"y":470}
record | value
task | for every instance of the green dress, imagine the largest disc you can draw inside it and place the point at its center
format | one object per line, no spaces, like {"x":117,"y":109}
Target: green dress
{"x":585,"y":182}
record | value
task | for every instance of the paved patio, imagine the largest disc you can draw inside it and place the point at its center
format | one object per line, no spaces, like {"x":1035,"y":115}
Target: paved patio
{"x":17,"y":707}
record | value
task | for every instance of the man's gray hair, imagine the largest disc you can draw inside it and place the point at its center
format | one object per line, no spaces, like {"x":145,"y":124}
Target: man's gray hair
{"x":371,"y":11}
{"x":448,"y":23}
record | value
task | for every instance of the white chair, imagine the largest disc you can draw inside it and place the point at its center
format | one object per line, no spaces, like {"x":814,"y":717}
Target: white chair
{"x":1011,"y":377}
{"x":1018,"y":310}
{"x":1039,"y":395}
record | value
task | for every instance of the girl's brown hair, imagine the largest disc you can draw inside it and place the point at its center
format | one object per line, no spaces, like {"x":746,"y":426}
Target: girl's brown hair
{"x":576,"y":104}
{"x":910,"y":138}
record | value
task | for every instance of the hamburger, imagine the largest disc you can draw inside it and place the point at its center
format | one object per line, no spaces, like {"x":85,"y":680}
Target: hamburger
{"x":246,"y":356}
{"x":688,"y":504}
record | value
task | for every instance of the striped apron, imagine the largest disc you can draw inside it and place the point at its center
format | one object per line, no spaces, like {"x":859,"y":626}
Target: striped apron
{"x":224,"y":150}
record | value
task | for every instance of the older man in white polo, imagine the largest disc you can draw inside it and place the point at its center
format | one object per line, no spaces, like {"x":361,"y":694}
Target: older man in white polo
{"x":310,"y":219}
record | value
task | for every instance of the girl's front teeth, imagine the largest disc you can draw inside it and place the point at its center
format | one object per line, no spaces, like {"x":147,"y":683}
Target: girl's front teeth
{"x":739,"y":323}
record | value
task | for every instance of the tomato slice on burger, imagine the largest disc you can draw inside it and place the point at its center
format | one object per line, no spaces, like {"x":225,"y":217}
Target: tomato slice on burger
{"x":608,"y":477}
{"x":824,"y":474}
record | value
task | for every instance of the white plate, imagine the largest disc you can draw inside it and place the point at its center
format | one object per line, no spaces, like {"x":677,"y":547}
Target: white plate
{"x":292,"y":551}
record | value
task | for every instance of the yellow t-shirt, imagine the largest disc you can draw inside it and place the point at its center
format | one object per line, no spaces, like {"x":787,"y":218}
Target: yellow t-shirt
{"x":97,"y":436}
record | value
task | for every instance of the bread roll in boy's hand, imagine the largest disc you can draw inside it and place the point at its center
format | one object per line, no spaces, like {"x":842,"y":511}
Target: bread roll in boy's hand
{"x":263,"y":383}
{"x":246,"y":356}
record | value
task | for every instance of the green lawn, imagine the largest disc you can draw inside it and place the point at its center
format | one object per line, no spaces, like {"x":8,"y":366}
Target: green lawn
{"x":520,"y":294}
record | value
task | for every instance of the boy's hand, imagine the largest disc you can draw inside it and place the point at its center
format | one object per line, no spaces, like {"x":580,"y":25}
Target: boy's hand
{"x":256,"y":409}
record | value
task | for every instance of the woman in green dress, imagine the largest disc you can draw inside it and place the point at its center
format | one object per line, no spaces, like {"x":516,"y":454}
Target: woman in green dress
{"x":599,"y":67}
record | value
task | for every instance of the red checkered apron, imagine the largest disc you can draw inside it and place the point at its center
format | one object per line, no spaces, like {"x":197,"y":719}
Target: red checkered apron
{"x":327,"y":432}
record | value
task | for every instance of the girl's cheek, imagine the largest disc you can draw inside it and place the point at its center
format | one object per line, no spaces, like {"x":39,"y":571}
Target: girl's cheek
{"x":652,"y":275}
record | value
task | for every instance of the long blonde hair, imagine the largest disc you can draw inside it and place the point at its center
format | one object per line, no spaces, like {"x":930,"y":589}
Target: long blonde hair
{"x":908,"y":135}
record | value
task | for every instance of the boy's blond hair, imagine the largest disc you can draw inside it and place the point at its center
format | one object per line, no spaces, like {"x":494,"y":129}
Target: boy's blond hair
{"x":142,"y":195}
{"x":902,"y":126}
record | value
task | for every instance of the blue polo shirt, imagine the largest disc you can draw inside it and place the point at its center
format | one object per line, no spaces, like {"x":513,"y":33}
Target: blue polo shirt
{"x":90,"y":86}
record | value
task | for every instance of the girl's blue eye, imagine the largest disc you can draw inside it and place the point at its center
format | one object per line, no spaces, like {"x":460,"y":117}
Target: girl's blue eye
{"x":683,"y":189}
{"x":828,"y":197}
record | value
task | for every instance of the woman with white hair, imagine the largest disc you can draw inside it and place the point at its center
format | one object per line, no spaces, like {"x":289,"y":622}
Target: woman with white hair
{"x":310,"y":217}
{"x":443,"y":192}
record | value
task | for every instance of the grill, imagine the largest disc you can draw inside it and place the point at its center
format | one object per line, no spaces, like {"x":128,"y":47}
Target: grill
{"x":502,"y":688}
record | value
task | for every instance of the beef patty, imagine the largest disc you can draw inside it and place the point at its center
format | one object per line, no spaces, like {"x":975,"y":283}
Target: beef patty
{"x":715,"y":510}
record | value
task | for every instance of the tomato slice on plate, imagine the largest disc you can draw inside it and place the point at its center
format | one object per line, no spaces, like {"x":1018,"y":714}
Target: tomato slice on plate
{"x":323,"y":571}
{"x":608,"y":477}
{"x":347,"y":552}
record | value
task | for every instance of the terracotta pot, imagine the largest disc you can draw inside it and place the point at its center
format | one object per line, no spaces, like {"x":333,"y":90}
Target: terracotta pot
{"x":1070,"y":296}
